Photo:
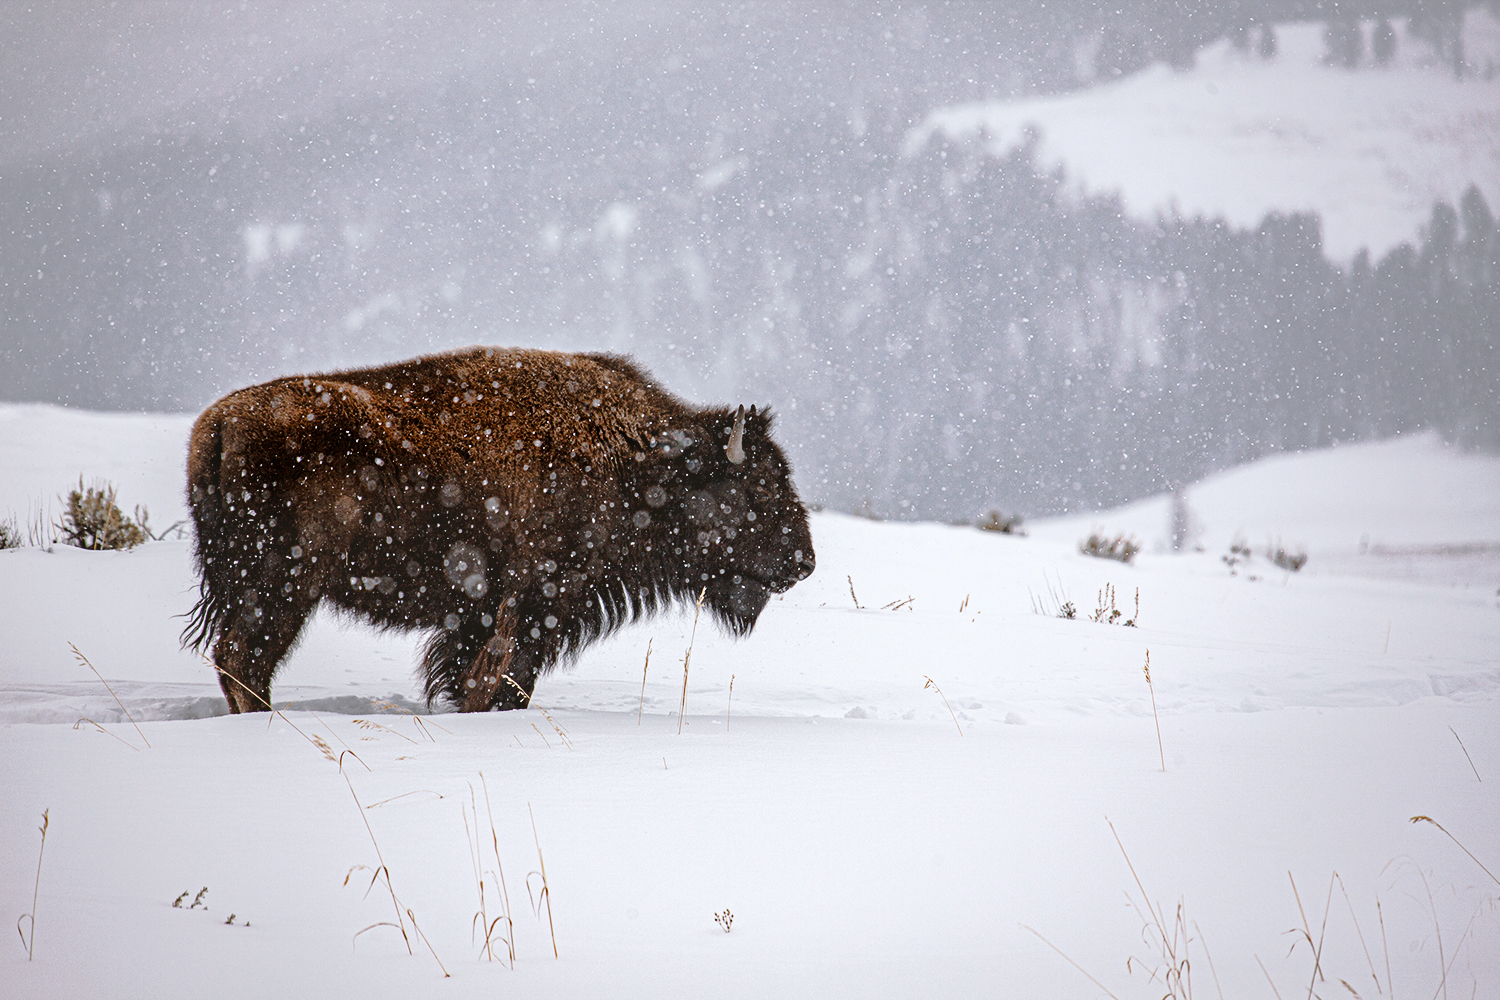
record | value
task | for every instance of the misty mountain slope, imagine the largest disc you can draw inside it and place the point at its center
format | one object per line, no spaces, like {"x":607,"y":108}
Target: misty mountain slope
{"x":868,"y":833}
{"x":942,"y":332}
{"x":1236,"y":137}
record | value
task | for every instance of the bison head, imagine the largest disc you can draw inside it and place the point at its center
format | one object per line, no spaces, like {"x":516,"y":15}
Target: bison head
{"x":727,"y":518}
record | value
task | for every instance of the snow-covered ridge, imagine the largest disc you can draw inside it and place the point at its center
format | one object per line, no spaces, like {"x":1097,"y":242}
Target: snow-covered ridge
{"x":1369,"y":150}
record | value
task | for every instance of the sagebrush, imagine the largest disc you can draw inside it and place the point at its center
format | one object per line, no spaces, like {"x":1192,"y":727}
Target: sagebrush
{"x":93,"y":520}
{"x":1121,"y":548}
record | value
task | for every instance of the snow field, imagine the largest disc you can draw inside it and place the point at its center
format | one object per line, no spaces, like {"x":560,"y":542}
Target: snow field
{"x":864,"y":846}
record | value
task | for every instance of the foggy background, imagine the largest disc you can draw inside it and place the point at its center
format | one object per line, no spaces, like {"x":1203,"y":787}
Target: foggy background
{"x":197,"y":197}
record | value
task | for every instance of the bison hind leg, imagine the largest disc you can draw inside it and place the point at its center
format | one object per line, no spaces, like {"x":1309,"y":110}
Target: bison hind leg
{"x":248,"y":652}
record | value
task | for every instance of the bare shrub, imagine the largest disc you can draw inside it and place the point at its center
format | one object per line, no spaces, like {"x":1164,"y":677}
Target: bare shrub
{"x":93,"y":520}
{"x":1239,"y":552}
{"x":10,"y":534}
{"x":1121,"y":548}
{"x":1055,"y":602}
{"x":1003,"y":523}
{"x":1287,"y":559}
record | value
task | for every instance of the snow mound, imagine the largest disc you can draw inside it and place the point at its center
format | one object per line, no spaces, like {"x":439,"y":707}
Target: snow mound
{"x":1407,"y":508}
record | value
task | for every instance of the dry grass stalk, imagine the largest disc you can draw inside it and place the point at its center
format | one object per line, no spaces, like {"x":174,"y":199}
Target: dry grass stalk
{"x":1384,"y":947}
{"x":393,"y":798}
{"x":898,"y":605}
{"x":852,"y":594}
{"x":41,"y":531}
{"x":318,"y":744}
{"x":1070,"y":961}
{"x":36,"y":891}
{"x":1466,"y":754}
{"x":482,"y":917}
{"x":499,"y":869}
{"x":1106,"y":613}
{"x":525,"y":698}
{"x":1443,"y":986}
{"x":380,"y":870}
{"x":1317,"y":972}
{"x":545,"y":895}
{"x":322,"y":745}
{"x":562,"y":733}
{"x":1159,"y":749}
{"x":1369,"y":961}
{"x":1208,"y":955}
{"x":335,"y":734}
{"x":641,"y":709}
{"x":368,"y":724}
{"x":688,"y":658}
{"x":1307,"y":929}
{"x":965,"y":603}
{"x":1437,"y":927}
{"x":430,"y":949}
{"x":384,"y":870}
{"x":1268,"y":977}
{"x":933,"y":684}
{"x":85,"y":661}
{"x":106,"y":732}
{"x":1429,"y":819}
{"x":1173,"y":944}
{"x":425,"y":732}
{"x":730,"y":708}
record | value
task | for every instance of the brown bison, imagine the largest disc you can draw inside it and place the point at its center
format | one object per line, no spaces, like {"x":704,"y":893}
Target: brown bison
{"x":517,"y":504}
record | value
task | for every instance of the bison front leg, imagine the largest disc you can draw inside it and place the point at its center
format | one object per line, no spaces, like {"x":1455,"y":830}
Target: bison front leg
{"x":502,"y":677}
{"x":480,"y":668}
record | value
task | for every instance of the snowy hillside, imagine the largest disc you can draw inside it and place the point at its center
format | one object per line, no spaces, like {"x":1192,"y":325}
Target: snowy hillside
{"x":870,"y":835}
{"x":1370,"y":150}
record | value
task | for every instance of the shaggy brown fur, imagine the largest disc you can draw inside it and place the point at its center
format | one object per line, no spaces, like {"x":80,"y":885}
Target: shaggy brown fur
{"x":517,"y":504}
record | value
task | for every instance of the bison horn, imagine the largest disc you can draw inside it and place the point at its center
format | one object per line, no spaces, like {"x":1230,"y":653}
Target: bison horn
{"x":736,"y":446}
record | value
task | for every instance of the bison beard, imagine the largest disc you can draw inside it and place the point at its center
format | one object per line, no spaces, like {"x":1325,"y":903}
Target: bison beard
{"x":517,"y":504}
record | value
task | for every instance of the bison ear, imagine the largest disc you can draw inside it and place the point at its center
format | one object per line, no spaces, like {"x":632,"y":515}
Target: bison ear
{"x":674,"y":442}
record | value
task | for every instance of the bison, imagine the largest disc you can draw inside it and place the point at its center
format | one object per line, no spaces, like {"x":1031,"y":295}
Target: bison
{"x":516,"y":504}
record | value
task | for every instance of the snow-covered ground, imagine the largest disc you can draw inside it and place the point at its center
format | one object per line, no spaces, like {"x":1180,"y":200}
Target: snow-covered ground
{"x":1370,"y":150}
{"x":867,"y":841}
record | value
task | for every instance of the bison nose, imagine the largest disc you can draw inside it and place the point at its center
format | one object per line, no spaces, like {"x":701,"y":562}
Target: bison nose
{"x":805,"y":564}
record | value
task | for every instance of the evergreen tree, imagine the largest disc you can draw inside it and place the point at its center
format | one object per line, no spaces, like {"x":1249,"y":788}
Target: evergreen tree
{"x":1266,"y":48}
{"x":1383,"y":44}
{"x":1343,"y":42}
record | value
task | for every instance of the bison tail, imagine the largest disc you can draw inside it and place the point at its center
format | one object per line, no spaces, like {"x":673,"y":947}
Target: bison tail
{"x":206,"y":501}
